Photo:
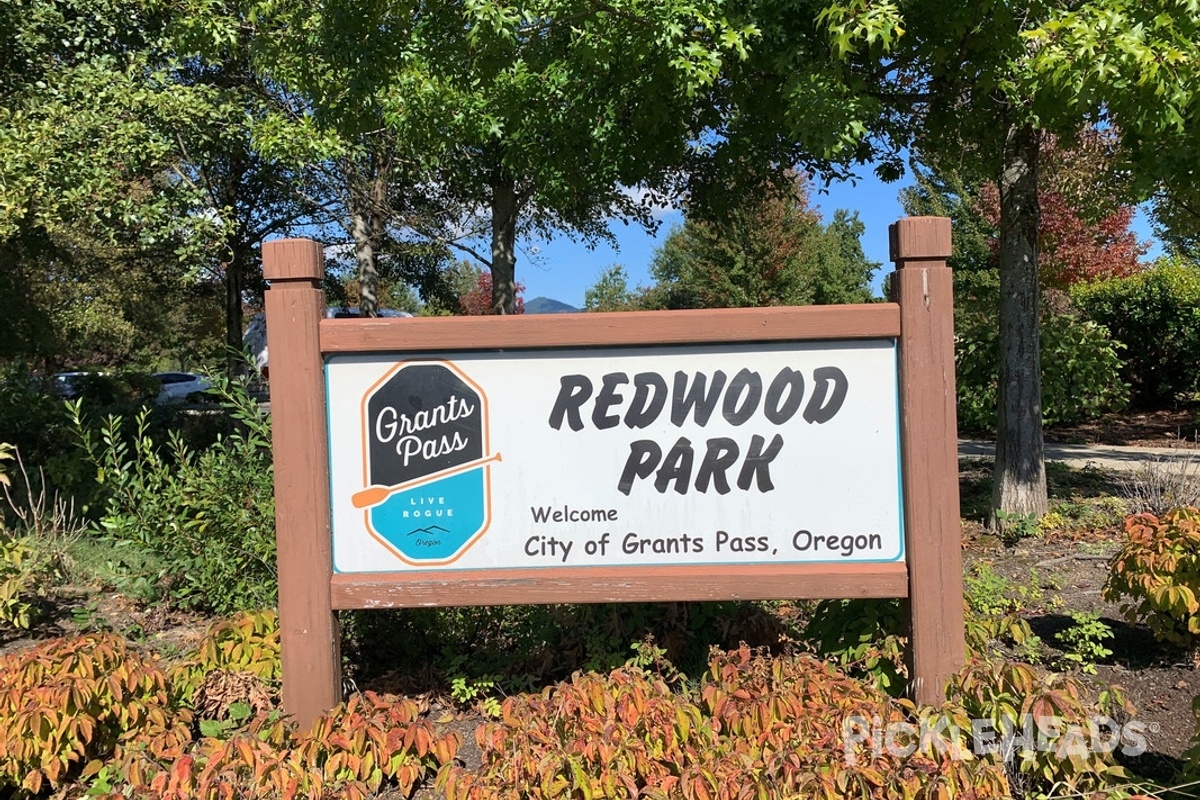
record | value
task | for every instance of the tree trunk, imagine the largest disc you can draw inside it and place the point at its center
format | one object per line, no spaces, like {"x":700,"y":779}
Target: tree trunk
{"x":1020,"y":479}
{"x":235,"y":284}
{"x":504,"y":244}
{"x":365,"y":256}
{"x":368,"y":223}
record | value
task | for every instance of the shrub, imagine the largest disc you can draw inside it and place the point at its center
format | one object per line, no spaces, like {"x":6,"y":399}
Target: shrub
{"x":207,"y":516}
{"x":864,"y":637}
{"x":90,"y":711}
{"x":368,"y":744}
{"x":754,"y":727}
{"x":473,"y":642}
{"x":117,"y":393}
{"x":68,"y":705}
{"x":17,"y":580}
{"x":33,"y":551}
{"x":1080,"y":370}
{"x":35,"y":422}
{"x":1156,"y":574}
{"x":529,"y":645}
{"x":248,"y":643}
{"x":992,"y":611}
{"x":1043,"y":728}
{"x":1156,"y":315}
{"x":802,"y":712}
{"x":1079,"y":514}
{"x":1082,"y":643}
{"x":1162,"y":484}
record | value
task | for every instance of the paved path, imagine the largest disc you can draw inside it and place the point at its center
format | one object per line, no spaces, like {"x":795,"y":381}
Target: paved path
{"x":1112,"y":457}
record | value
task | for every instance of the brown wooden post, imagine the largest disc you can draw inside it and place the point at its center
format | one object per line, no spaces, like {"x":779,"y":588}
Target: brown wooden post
{"x":922,"y":285}
{"x":308,"y":627}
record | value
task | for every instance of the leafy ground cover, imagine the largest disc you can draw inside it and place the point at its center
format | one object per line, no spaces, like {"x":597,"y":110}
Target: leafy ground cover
{"x":469,"y":673}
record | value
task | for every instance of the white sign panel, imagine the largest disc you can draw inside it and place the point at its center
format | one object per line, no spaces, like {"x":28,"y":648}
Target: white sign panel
{"x":714,"y":454}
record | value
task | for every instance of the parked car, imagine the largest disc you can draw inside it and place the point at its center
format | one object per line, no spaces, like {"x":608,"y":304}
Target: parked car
{"x":178,"y":387}
{"x":69,"y":385}
{"x":351,"y":312}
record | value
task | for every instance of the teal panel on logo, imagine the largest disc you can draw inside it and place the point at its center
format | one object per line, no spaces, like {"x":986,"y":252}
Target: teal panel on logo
{"x":434,"y":522}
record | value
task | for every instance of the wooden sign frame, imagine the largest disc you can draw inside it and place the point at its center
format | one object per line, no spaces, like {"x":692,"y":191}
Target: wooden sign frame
{"x":920,"y":320}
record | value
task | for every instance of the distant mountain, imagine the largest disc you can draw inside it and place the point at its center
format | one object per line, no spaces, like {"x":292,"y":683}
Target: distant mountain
{"x":544,"y":305}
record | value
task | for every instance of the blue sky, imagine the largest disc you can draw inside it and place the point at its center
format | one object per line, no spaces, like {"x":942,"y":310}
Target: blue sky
{"x":563,"y":270}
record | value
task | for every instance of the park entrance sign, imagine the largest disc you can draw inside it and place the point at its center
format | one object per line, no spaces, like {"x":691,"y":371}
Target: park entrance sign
{"x":706,"y":455}
{"x":719,"y":455}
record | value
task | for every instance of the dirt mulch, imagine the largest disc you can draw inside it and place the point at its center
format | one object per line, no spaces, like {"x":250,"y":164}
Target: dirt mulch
{"x":1178,"y":427}
{"x":1063,"y":574}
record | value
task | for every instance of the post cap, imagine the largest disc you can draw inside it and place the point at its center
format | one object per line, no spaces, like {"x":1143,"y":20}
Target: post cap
{"x":920,"y":239}
{"x":293,"y":260}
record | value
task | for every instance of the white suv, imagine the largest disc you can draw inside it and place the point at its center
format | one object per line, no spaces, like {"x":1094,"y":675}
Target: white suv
{"x":178,"y":386}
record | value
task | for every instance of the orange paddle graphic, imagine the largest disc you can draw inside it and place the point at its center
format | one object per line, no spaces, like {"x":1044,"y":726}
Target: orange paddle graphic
{"x":374,"y":495}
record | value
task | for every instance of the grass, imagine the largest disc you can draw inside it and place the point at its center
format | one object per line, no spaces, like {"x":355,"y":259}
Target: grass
{"x":99,"y":562}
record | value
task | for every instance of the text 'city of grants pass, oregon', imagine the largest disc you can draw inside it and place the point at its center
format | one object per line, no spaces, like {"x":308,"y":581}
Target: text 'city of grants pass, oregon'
{"x":707,"y":454}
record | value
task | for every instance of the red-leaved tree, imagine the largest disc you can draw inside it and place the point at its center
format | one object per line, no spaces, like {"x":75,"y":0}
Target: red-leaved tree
{"x":477,"y":301}
{"x":1083,"y":231}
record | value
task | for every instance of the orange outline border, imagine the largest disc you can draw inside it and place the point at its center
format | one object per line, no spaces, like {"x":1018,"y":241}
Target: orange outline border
{"x":487,"y":446}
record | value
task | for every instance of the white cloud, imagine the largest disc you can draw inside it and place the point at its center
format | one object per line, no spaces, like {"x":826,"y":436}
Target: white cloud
{"x":642,"y":195}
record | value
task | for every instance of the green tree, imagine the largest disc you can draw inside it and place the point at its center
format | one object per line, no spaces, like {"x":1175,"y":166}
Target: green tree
{"x":1176,"y":202}
{"x":75,"y":302}
{"x":1177,"y":220}
{"x":1083,"y":230}
{"x":247,"y":196}
{"x":771,"y":249}
{"x":366,"y":201}
{"x":342,"y":182}
{"x":98,"y":220}
{"x":528,"y":116}
{"x":171,"y":132}
{"x":1083,"y":226}
{"x":843,"y":269}
{"x":945,"y":193}
{"x":979,"y":87}
{"x":85,"y":120}
{"x":610,"y":292}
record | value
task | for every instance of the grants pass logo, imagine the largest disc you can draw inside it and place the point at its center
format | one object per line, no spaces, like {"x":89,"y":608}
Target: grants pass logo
{"x":427,"y":465}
